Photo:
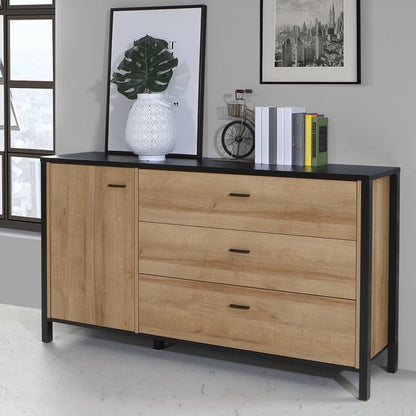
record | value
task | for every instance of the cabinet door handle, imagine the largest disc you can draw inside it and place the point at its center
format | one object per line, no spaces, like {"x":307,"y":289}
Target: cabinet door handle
{"x":239,"y":195}
{"x":237,"y":250}
{"x":114,"y":185}
{"x":233,"y":305}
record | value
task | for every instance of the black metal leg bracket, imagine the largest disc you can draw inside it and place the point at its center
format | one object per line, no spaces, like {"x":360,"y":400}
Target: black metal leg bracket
{"x":158,"y":345}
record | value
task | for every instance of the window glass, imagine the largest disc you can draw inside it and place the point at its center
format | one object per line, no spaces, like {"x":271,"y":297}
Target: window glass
{"x":31,"y":123}
{"x":29,"y":2}
{"x":1,"y":185}
{"x":1,"y":43}
{"x":31,"y":57}
{"x":25,"y":184}
{"x":1,"y":87}
{"x":1,"y":118}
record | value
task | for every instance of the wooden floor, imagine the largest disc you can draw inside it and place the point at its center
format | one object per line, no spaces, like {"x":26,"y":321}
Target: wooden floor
{"x":91,"y":372}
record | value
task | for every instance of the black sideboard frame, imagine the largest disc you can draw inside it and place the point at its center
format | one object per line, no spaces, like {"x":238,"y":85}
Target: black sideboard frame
{"x":394,"y":233}
{"x":365,"y":288}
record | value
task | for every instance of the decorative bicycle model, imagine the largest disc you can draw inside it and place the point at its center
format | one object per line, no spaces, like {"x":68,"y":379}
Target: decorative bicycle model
{"x":237,"y":138}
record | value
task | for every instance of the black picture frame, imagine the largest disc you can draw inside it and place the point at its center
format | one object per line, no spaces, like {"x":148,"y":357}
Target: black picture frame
{"x":336,"y":65}
{"x":186,"y":89}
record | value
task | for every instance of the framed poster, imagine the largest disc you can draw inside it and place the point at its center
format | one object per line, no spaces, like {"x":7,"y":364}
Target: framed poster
{"x":183,"y":27}
{"x":309,"y":41}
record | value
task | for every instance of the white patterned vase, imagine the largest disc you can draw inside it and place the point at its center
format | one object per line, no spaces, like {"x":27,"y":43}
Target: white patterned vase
{"x":150,"y":128}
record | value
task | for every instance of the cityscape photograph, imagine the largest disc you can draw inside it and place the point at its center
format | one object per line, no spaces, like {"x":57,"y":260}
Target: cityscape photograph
{"x":309,"y":33}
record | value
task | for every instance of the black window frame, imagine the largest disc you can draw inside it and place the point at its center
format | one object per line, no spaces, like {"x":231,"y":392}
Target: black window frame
{"x":8,"y":13}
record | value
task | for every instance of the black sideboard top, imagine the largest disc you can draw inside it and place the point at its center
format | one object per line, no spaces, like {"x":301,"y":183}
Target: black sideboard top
{"x":331,"y":171}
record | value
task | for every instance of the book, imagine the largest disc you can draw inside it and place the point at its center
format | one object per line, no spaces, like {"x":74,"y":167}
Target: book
{"x":308,"y":138}
{"x":319,"y":141}
{"x":257,"y":135}
{"x":272,"y":135}
{"x":264,"y":135}
{"x":287,"y":139}
{"x":268,"y":135}
{"x":280,"y":135}
{"x":298,"y":139}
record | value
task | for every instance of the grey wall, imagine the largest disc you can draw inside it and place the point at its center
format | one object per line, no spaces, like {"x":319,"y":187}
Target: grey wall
{"x":20,"y":268}
{"x":371,"y":123}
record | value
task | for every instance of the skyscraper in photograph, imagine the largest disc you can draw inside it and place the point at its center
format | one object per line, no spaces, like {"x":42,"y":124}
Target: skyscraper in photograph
{"x":331,"y":24}
{"x":339,"y":28}
{"x":287,"y":53}
{"x":319,"y":42}
{"x":298,"y":52}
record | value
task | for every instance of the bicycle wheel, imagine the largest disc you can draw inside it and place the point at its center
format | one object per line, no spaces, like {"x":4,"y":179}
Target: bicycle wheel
{"x":237,"y":139}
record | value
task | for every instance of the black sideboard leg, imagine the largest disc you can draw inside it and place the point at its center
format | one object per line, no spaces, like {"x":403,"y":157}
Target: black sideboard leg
{"x":393,"y":332}
{"x":47,"y":331}
{"x":158,"y":345}
{"x":364,"y":388}
{"x":365,"y":288}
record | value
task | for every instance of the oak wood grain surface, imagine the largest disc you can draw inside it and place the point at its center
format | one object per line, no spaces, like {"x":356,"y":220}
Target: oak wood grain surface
{"x":310,"y":207}
{"x":380,"y":265}
{"x":270,"y":261}
{"x":293,"y":325}
{"x":91,"y":245}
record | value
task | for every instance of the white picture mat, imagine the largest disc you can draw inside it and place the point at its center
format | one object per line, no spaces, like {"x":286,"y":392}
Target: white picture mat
{"x":181,"y":26}
{"x":347,"y":73}
{"x":31,"y":2}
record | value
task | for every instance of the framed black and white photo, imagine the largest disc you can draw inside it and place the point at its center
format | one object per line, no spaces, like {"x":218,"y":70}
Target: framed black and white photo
{"x":183,"y":28}
{"x":310,"y":41}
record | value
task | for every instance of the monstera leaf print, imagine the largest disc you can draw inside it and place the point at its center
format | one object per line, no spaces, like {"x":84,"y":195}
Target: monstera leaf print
{"x":146,"y":67}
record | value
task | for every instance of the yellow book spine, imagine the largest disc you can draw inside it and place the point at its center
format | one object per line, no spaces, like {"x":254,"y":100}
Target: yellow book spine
{"x":308,"y":139}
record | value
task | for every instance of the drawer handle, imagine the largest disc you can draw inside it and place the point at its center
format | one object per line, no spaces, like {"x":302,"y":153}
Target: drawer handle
{"x":239,"y":195}
{"x":237,"y":250}
{"x":233,"y":305}
{"x":114,"y":185}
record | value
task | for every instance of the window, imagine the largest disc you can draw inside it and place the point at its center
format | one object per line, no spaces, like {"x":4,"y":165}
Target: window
{"x":27,"y":113}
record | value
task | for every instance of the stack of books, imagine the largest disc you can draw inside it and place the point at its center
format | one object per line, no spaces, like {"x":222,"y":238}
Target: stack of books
{"x":290,"y":136}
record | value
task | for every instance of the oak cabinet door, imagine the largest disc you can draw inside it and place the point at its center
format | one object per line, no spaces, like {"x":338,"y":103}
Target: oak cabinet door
{"x":91,"y":219}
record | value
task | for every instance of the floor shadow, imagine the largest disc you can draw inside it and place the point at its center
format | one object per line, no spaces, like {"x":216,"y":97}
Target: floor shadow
{"x":202,"y":352}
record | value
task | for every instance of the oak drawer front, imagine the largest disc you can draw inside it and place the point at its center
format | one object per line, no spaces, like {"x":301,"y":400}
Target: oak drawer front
{"x":271,"y":261}
{"x":292,"y":325}
{"x":312,"y":207}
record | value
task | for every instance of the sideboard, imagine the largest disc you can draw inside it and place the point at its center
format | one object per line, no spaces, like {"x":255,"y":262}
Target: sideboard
{"x":295,"y":262}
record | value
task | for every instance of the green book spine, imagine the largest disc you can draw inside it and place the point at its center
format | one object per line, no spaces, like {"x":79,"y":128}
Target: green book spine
{"x":319,"y":141}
